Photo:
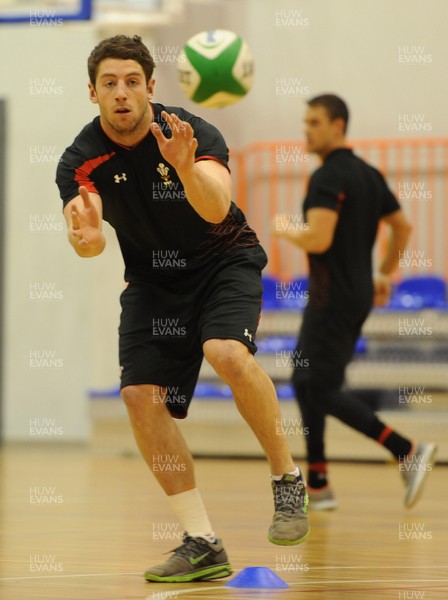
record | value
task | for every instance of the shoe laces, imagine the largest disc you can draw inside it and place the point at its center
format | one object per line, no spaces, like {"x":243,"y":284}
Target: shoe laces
{"x":189,"y":546}
{"x":289,"y":496}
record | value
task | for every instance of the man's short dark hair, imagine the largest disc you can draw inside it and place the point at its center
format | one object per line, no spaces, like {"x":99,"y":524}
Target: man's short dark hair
{"x":124,"y":47}
{"x":335,"y":107}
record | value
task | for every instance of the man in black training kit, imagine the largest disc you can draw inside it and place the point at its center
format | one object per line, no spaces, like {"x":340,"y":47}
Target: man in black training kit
{"x":345,"y":202}
{"x":159,"y":176}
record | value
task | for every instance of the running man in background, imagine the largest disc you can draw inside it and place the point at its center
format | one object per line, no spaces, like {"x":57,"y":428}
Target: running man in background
{"x":346,"y":201}
{"x":159,"y":176}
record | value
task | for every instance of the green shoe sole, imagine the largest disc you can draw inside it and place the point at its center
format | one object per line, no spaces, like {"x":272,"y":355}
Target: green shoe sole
{"x":288,"y":542}
{"x":207,"y":574}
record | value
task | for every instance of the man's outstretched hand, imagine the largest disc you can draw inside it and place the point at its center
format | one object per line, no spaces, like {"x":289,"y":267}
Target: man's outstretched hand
{"x":179,"y":150}
{"x":86,"y":226}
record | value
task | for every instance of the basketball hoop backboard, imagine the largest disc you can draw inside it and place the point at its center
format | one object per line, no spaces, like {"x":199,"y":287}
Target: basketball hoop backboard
{"x":35,"y":12}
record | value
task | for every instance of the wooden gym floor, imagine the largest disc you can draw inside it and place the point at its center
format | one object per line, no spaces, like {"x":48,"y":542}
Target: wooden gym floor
{"x":80,"y":525}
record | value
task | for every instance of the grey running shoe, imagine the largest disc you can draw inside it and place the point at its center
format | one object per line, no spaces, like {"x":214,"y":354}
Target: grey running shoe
{"x":414,"y":470}
{"x":290,"y":524}
{"x":195,"y":560}
{"x":321,"y":498}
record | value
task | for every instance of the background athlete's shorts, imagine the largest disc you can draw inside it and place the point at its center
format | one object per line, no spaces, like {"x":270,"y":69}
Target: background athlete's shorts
{"x":163,"y":326}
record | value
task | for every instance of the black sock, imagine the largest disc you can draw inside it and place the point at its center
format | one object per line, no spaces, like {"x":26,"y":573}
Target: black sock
{"x":395,"y":443}
{"x":317,"y":475}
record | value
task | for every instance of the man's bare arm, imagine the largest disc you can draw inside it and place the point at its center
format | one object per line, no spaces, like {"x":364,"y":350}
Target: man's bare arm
{"x":400,"y":230}
{"x":83,"y":215}
{"x":207,"y":183}
{"x":315,"y":236}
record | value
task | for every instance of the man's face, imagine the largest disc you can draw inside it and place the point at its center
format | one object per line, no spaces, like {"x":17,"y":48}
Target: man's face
{"x":122,"y":94}
{"x":322,"y":134}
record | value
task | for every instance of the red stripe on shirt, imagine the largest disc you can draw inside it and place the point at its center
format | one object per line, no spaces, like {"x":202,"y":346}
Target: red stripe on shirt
{"x":82,"y":173}
{"x":206,"y":157}
{"x":341,"y":200}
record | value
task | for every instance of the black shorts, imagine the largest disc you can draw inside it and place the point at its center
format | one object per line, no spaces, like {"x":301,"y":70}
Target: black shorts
{"x":327,"y":340}
{"x":163,"y":326}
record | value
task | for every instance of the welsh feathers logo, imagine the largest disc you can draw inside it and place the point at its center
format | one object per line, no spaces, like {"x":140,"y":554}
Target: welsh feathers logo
{"x":163,"y":170}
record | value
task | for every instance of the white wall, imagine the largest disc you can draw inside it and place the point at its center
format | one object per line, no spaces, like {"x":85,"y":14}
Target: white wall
{"x":350,"y":47}
{"x":51,"y":296}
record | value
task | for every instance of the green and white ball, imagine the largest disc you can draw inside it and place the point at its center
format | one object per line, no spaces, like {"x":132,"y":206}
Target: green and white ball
{"x":216,"y":68}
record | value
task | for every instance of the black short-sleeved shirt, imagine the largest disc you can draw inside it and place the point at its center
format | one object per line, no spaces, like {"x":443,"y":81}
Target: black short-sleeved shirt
{"x":161,"y":236}
{"x":342,"y":276}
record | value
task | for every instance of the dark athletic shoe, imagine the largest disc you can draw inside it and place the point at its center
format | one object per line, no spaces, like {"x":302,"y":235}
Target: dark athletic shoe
{"x":195,"y":560}
{"x":290,"y":524}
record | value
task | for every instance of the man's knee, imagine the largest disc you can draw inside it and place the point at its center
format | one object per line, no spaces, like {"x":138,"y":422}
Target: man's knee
{"x":229,"y":358}
{"x":141,"y":398}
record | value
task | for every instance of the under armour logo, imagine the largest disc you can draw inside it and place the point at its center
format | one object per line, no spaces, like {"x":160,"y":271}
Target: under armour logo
{"x":247,"y":334}
{"x":119,"y":178}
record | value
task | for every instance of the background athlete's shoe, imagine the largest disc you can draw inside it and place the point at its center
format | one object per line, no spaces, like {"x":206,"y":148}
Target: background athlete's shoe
{"x":195,"y":560}
{"x":321,"y":498}
{"x":414,"y":470}
{"x":290,"y":523}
